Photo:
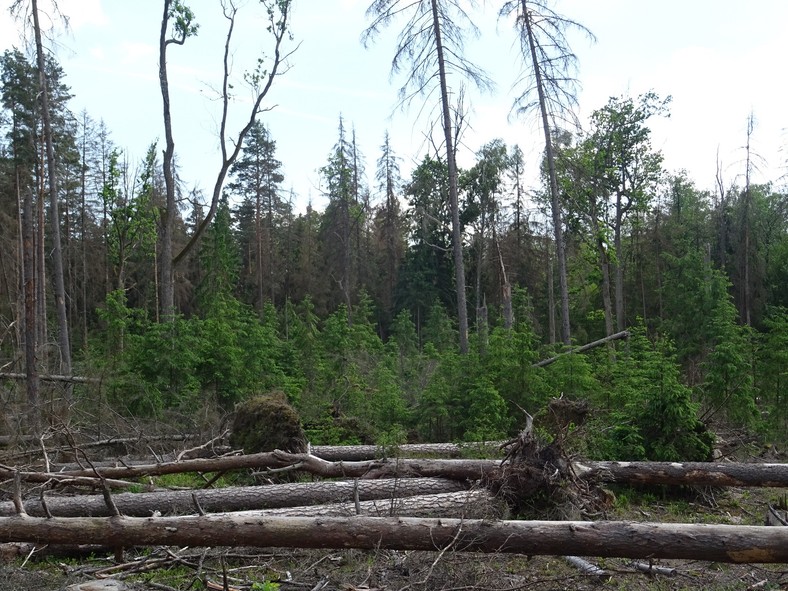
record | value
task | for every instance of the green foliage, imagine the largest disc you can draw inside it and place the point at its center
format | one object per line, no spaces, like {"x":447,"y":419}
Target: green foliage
{"x":771,"y":382}
{"x":183,"y":22}
{"x":650,"y":413}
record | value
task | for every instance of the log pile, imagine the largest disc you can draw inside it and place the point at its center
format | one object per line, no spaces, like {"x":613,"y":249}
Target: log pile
{"x":388,"y":501}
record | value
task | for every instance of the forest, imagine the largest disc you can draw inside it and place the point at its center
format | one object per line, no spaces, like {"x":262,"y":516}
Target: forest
{"x":412,"y":308}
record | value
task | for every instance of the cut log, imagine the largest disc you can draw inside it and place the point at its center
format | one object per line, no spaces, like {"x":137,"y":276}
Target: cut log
{"x":686,"y":473}
{"x":719,"y":543}
{"x":238,"y":498}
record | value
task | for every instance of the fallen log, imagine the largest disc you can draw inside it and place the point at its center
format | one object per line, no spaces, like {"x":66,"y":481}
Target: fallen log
{"x":61,"y":479}
{"x":478,"y":503}
{"x":356,"y":453}
{"x":624,"y":334}
{"x":667,"y":473}
{"x":51,"y":378}
{"x":719,"y":543}
{"x":454,"y":469}
{"x":685,"y":473}
{"x":238,"y":498}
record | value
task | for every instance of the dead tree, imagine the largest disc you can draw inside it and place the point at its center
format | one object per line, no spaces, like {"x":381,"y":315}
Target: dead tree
{"x":718,"y":543}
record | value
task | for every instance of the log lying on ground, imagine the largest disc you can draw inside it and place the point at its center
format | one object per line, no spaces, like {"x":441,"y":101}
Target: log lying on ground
{"x":719,"y":543}
{"x":686,"y":473}
{"x":355,"y":453}
{"x":668,"y":473}
{"x":237,"y":498}
{"x":454,"y":469}
{"x":477,"y":503}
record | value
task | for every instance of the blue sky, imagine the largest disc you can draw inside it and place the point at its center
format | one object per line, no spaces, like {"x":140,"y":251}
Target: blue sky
{"x":719,"y":60}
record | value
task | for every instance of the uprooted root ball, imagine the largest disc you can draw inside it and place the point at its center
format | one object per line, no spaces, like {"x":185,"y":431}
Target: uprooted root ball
{"x":265,"y":423}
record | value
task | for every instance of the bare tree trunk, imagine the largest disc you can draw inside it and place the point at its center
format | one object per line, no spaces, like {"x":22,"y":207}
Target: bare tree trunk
{"x":506,"y":290}
{"x":451,"y":160}
{"x":718,"y":543}
{"x":30,"y":316}
{"x":604,"y":265}
{"x":617,"y":244}
{"x":555,"y":202}
{"x":64,"y":341}
{"x":550,"y":294}
{"x":167,"y":277}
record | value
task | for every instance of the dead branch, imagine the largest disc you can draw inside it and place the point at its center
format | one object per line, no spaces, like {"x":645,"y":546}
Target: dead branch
{"x":624,"y":334}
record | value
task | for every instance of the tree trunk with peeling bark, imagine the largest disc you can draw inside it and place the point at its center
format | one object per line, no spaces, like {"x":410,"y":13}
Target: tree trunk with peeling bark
{"x":478,"y":503}
{"x":718,"y":543}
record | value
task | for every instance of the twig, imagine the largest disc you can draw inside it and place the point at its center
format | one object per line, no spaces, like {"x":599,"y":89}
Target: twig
{"x":437,"y":559}
{"x":651,"y":569}
{"x":44,"y":505}
{"x":29,"y":554}
{"x":205,"y":445}
{"x":197,"y":504}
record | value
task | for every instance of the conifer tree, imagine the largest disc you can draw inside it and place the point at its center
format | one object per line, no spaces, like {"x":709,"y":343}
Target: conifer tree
{"x":430,"y":47}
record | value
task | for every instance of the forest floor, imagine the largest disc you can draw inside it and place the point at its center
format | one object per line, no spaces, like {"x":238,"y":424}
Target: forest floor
{"x":357,"y":570}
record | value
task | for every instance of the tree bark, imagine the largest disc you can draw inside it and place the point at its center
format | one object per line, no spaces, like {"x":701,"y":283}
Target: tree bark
{"x":372,"y":452}
{"x":454,"y":469}
{"x":170,"y":211}
{"x":64,"y":341}
{"x":243,"y":498}
{"x":31,"y":331}
{"x":669,"y":473}
{"x":478,"y":503}
{"x":686,"y":473}
{"x":718,"y":543}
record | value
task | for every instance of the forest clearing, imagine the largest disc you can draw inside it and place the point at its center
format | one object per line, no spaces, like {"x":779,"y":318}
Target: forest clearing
{"x":444,"y":372}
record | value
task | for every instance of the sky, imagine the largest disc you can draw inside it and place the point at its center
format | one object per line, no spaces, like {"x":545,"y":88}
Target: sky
{"x":719,"y":60}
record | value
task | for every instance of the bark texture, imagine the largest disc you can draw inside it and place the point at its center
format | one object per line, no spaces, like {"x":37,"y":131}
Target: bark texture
{"x":669,"y":473}
{"x":478,"y":503}
{"x":241,"y":498}
{"x":686,"y":473}
{"x":371,"y":452}
{"x":718,"y":543}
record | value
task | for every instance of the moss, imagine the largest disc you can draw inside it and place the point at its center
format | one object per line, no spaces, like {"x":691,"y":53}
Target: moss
{"x":265,"y":423}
